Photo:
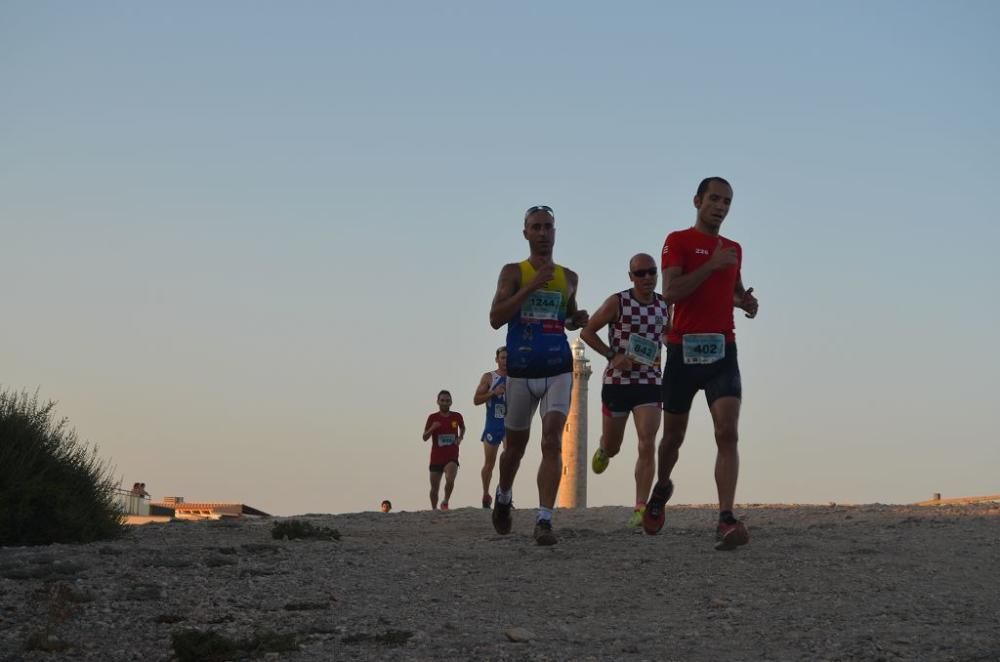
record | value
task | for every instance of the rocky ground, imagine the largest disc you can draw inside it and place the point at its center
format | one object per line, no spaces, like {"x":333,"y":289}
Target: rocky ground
{"x":816,"y":583}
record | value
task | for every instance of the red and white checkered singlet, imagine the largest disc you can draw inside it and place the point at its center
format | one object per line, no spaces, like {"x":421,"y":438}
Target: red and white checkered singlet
{"x":646,"y":319}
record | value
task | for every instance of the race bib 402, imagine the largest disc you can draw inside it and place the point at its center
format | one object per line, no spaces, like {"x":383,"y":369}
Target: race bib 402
{"x":704,"y":348}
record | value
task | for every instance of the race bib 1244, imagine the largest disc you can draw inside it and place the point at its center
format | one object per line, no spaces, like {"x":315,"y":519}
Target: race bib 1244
{"x":542,"y":305}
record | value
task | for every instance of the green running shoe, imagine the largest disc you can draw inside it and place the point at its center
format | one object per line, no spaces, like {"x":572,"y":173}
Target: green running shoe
{"x":600,"y":461}
{"x":635,"y":521}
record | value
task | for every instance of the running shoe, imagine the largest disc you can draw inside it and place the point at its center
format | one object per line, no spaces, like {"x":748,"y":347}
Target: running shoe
{"x":543,"y":533}
{"x":600,"y":461}
{"x":487,"y":501}
{"x":653,"y":518}
{"x":635,"y":521}
{"x":730,"y":536}
{"x":444,"y":505}
{"x":502,"y":520}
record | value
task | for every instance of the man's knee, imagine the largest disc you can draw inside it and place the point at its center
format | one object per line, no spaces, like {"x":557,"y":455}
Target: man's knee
{"x":553,"y":430}
{"x":726,"y":435}
{"x":673,"y":437}
{"x":551,"y":446}
{"x":516,"y":442}
{"x":647,"y":447}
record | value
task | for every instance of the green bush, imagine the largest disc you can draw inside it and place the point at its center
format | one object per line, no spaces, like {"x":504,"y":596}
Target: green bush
{"x":53,"y":488}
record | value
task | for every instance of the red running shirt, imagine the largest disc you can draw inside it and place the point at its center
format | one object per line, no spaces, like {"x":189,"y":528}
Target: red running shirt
{"x":709,"y":309}
{"x":444,"y":440}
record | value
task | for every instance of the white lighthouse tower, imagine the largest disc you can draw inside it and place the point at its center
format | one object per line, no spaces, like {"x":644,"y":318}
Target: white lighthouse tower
{"x":573,"y":486}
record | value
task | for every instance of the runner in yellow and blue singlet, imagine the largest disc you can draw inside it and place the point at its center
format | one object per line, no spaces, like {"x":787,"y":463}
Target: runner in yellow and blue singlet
{"x":536,"y":299}
{"x":536,"y":336}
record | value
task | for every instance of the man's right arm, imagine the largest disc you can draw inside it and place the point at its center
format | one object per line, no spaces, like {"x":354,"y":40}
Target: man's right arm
{"x":510,"y":296}
{"x":429,"y":428}
{"x":605,"y":315}
{"x":678,"y":285}
{"x":483,"y":390}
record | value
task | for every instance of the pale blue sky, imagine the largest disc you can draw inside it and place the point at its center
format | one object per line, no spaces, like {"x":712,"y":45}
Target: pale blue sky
{"x":245,"y":244}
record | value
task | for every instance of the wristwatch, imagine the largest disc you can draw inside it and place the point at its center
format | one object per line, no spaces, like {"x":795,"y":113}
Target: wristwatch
{"x":610,"y":354}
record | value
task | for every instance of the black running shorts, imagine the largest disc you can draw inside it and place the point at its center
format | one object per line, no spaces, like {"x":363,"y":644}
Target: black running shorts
{"x":681,"y":382}
{"x":623,"y":398}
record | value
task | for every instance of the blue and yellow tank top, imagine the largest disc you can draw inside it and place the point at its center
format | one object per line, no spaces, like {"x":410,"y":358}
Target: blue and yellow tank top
{"x":536,"y":336}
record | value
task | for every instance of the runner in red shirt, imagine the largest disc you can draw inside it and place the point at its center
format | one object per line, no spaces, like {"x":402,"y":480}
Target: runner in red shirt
{"x":701,"y":277}
{"x":445,"y":429}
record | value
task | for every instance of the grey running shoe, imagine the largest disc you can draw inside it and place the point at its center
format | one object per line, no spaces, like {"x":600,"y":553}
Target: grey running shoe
{"x":501,"y":517}
{"x":543,"y":533}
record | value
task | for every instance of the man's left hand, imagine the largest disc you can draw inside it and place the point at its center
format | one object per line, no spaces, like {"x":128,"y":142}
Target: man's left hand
{"x":748,"y":303}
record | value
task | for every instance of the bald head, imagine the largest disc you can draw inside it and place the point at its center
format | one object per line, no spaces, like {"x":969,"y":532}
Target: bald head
{"x":641,"y":261}
{"x":642,"y":273}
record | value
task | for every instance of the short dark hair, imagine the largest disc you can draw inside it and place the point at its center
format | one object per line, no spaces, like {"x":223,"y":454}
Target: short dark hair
{"x":502,"y":348}
{"x":386,"y":502}
{"x":703,"y":186}
{"x":444,"y":392}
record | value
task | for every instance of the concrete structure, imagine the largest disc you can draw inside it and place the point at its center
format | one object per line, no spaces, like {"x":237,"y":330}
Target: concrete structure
{"x":141,"y":510}
{"x":573,"y":486}
{"x":207,"y":509}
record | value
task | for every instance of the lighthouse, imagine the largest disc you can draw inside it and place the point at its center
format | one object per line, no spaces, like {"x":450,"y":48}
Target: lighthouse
{"x":573,"y":486}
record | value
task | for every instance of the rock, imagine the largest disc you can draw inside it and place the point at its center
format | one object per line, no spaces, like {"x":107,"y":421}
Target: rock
{"x":519,"y":634}
{"x":219,"y":560}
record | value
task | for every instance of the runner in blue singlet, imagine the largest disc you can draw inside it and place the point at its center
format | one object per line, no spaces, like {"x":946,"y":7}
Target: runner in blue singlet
{"x":492,"y":392}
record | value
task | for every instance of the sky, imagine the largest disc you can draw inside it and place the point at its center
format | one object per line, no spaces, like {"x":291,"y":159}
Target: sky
{"x":244,"y":245}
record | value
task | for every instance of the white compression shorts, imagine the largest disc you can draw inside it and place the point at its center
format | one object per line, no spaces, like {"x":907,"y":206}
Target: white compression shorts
{"x":525,"y":394}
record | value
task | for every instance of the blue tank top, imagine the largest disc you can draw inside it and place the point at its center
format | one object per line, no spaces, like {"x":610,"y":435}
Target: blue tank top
{"x":536,"y":336}
{"x":496,"y":407}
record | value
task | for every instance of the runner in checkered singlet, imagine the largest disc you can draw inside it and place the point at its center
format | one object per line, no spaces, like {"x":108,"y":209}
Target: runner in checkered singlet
{"x":637,"y":320}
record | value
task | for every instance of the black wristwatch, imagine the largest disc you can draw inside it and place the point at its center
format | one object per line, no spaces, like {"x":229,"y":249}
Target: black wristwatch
{"x":610,"y":354}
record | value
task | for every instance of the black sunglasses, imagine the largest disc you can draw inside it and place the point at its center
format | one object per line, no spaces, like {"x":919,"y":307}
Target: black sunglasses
{"x":532,"y":210}
{"x":640,"y":273}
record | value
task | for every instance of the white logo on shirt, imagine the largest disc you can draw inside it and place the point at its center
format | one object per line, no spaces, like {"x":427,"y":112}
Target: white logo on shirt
{"x":700,"y":251}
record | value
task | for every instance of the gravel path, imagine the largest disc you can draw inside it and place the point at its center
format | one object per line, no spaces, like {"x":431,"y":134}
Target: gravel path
{"x":868,"y":582}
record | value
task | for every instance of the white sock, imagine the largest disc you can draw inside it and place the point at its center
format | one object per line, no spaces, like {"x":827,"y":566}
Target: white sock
{"x":504,"y":496}
{"x":544,"y":514}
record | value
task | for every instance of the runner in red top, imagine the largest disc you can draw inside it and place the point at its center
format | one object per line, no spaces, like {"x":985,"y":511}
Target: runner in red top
{"x":709,"y":308}
{"x":445,"y":429}
{"x":701,"y":277}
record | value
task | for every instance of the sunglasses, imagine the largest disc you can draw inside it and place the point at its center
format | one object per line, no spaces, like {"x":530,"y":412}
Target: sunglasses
{"x":532,"y":210}
{"x":641,"y":273}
